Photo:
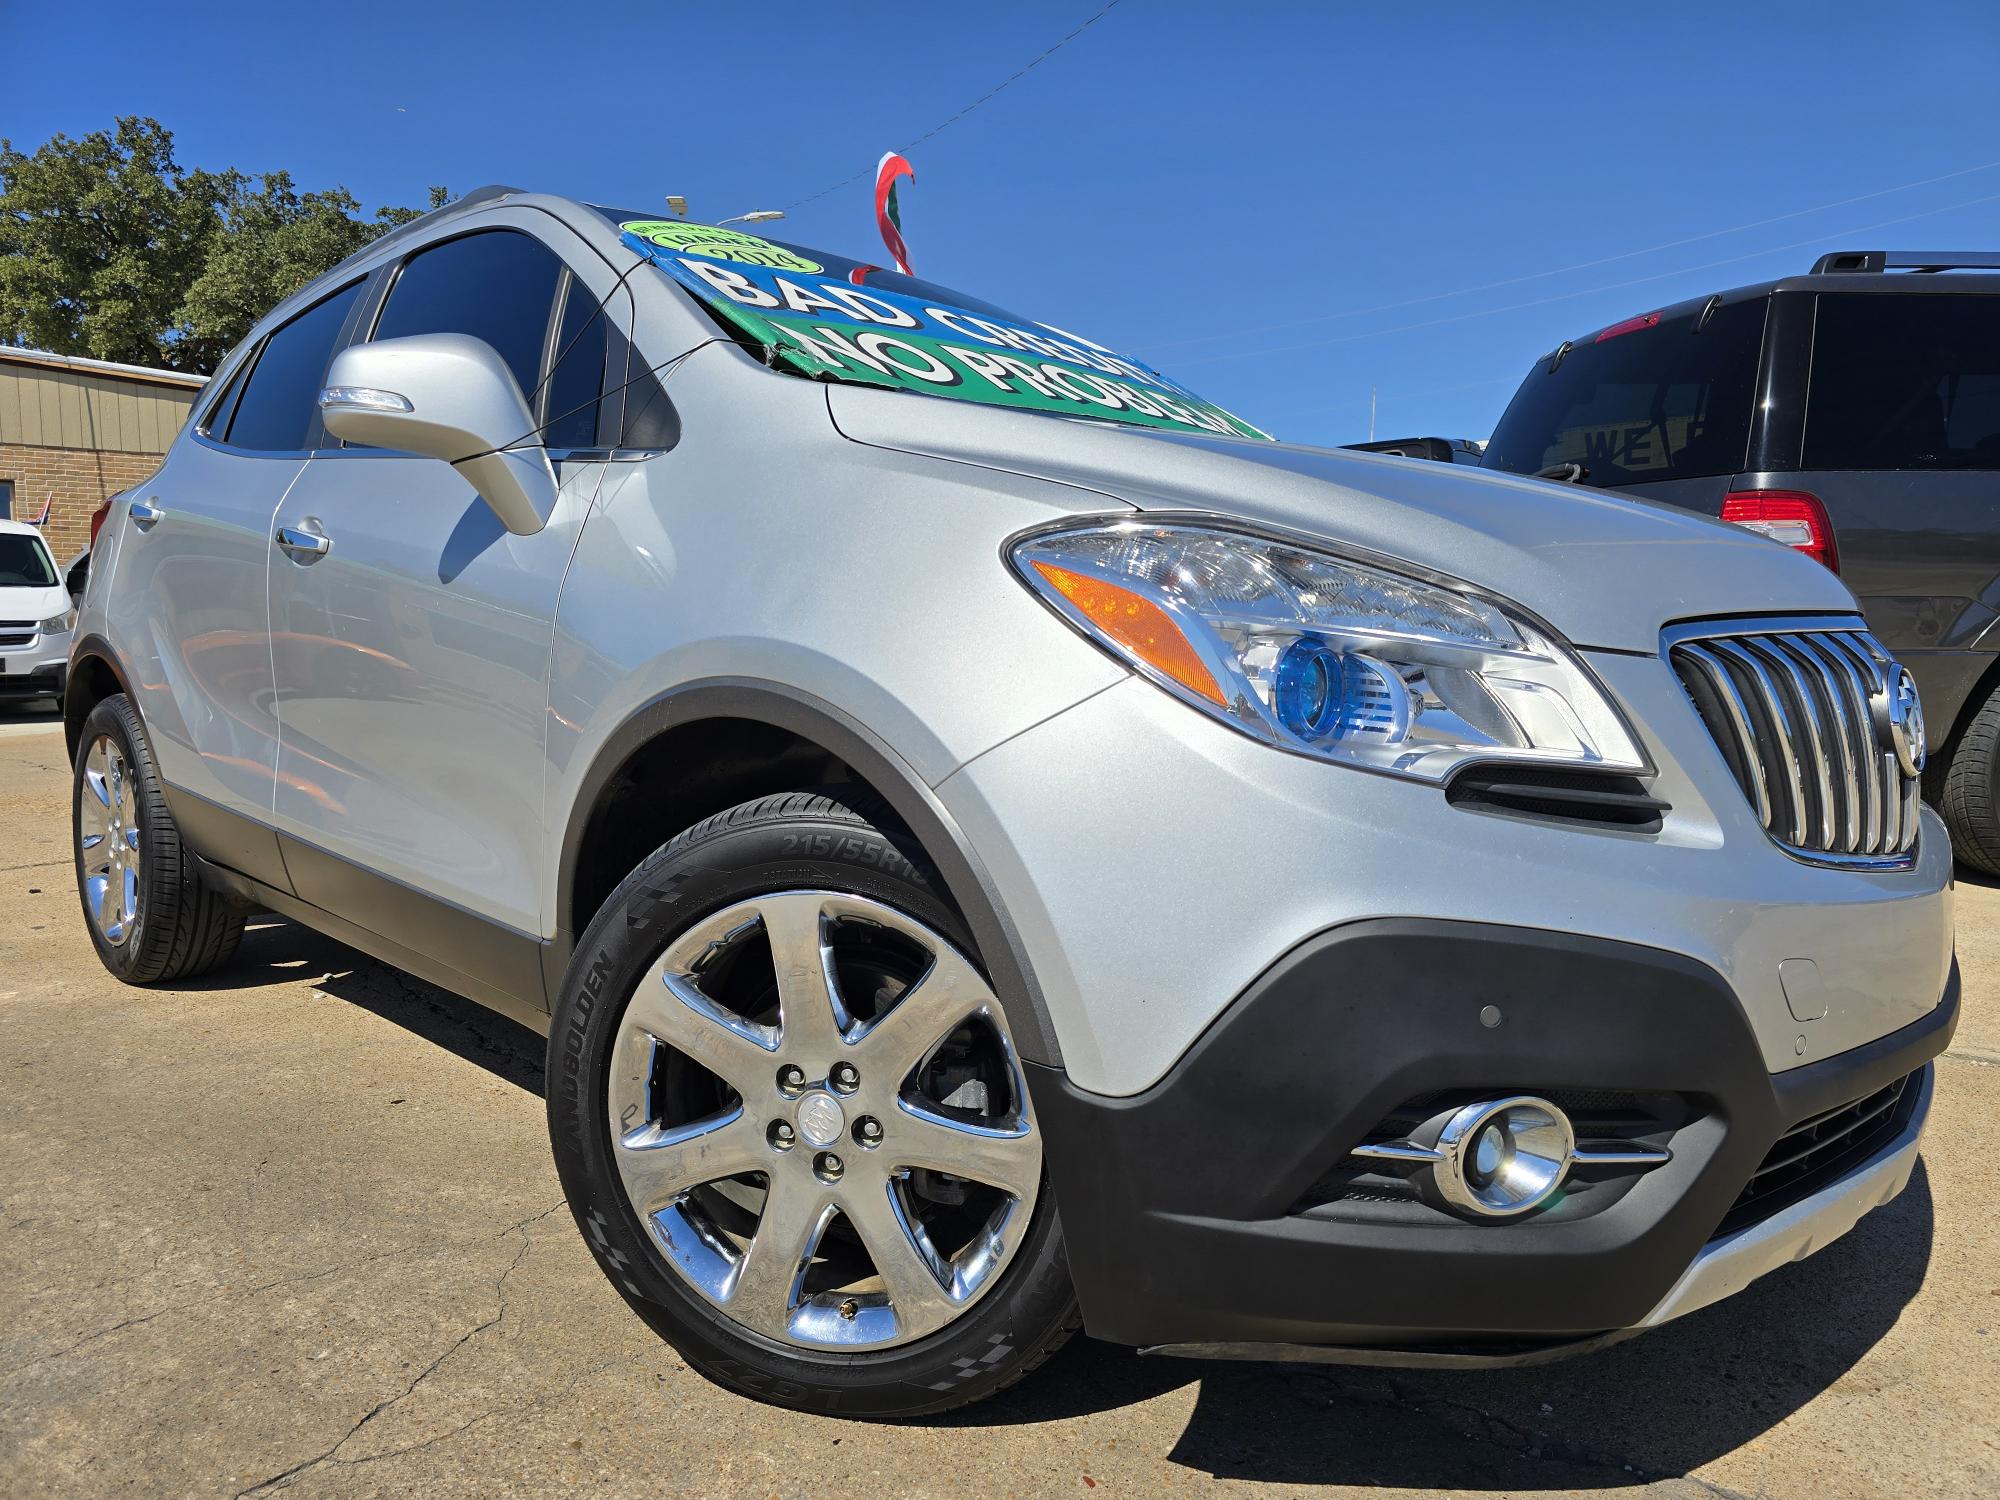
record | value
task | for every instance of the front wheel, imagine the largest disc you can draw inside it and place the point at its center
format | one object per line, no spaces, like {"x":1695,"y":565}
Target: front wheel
{"x":790,"y":1120}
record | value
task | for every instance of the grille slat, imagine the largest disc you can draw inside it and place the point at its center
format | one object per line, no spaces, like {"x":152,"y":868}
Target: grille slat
{"x":1817,"y":1151}
{"x":1795,"y":715}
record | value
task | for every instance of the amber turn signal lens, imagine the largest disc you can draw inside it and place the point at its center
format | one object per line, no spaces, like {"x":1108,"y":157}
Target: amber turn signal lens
{"x":1139,"y":625}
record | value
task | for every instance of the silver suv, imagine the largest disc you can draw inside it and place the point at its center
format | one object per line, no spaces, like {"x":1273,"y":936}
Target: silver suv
{"x":996,"y":844}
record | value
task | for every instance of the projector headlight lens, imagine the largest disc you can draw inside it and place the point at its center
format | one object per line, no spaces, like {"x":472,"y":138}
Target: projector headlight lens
{"x":1325,"y":656}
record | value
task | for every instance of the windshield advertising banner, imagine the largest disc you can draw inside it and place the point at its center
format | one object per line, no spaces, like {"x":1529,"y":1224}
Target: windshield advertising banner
{"x":821,"y":325}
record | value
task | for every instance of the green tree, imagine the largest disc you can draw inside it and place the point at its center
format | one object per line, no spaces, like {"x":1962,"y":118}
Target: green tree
{"x":109,"y":248}
{"x":273,"y":240}
{"x":99,"y":240}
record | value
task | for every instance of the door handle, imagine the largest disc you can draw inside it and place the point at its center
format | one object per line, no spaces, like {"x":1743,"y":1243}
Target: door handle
{"x":304,"y":546}
{"x":143,"y":513}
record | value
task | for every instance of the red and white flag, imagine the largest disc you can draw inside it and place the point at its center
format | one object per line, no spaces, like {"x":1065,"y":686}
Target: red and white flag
{"x":48,"y":500}
{"x":888,"y":213}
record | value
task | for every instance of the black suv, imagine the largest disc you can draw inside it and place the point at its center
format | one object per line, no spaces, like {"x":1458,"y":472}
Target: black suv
{"x":1852,"y":413}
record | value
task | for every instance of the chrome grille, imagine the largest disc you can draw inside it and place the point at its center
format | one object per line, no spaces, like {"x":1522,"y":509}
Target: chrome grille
{"x":1801,"y":717}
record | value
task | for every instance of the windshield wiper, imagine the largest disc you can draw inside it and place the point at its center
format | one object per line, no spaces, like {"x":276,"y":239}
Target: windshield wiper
{"x":1564,"y":473}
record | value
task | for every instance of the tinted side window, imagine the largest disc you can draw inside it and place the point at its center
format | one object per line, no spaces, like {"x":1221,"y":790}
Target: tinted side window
{"x":1654,"y":401}
{"x":1904,"y":382}
{"x":279,"y":407}
{"x":576,"y":375}
{"x":496,"y":285}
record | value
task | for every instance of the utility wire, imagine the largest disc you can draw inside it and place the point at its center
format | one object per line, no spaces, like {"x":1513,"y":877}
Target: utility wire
{"x":1351,"y":338}
{"x":1584,"y":265}
{"x":1017,"y":76}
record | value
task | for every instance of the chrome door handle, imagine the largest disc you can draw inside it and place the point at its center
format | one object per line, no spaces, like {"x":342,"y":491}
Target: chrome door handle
{"x":143,"y":513}
{"x":304,"y":546}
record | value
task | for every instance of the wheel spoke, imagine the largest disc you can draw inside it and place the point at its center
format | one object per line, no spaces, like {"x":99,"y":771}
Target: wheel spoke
{"x":910,"y":1273}
{"x":111,"y":892}
{"x":659,"y":1165}
{"x":764,"y":1287}
{"x":1008,"y":1159}
{"x":668,"y":1006}
{"x":811,"y":1016}
{"x":950,"y":992}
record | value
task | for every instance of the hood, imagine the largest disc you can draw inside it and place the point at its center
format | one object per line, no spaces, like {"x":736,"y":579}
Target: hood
{"x":21,"y":602}
{"x":1605,"y":570}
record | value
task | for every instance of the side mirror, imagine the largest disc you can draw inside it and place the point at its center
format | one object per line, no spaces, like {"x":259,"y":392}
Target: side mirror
{"x":452,"y":397}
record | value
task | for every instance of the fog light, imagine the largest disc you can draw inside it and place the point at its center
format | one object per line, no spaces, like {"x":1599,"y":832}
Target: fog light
{"x":1503,"y":1156}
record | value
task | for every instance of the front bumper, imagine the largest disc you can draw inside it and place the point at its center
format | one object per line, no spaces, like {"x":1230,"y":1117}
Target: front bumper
{"x":34,"y":666}
{"x":1195,"y":1215}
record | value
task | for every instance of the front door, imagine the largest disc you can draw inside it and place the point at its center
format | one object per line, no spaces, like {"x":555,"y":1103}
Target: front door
{"x":411,"y":632}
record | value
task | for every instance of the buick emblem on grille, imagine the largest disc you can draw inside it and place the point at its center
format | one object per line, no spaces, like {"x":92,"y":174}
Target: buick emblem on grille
{"x":1905,"y":726}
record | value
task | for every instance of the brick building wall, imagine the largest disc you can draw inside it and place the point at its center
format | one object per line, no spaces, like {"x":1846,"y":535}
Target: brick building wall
{"x":74,"y":432}
{"x":75,"y":481}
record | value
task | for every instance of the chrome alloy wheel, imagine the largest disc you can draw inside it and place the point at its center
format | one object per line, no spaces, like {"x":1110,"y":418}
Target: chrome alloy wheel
{"x":107,"y":835}
{"x":818,"y":1114}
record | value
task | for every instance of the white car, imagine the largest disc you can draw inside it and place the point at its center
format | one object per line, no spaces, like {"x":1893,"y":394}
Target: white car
{"x":36,"y":616}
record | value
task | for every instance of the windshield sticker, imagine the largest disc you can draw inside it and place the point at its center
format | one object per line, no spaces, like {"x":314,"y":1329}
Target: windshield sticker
{"x":822,"y":326}
{"x":720,"y":244}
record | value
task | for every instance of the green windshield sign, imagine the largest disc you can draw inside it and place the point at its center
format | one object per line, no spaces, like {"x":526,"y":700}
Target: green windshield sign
{"x":820,"y":325}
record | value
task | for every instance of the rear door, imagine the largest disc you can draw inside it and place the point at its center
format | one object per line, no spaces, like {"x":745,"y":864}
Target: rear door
{"x":412,"y":656}
{"x":1902,"y":444}
{"x":187,"y":608}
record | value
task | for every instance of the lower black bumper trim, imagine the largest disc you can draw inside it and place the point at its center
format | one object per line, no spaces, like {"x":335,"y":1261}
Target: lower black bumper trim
{"x":1178,"y":1203}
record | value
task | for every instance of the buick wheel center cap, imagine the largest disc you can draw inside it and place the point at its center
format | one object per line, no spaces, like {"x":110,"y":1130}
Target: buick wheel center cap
{"x":821,"y":1120}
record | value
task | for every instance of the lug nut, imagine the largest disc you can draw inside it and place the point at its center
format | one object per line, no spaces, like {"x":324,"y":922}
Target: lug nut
{"x":782,"y":1135}
{"x":846,"y":1077}
{"x":868,"y":1131}
{"x":828,"y":1167}
{"x":791,"y":1078}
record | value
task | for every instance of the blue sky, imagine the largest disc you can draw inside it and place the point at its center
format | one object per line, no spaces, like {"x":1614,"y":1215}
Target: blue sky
{"x":1227,"y":190}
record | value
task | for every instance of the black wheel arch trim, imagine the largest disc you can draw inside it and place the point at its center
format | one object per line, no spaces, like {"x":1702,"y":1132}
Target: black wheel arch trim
{"x":966,"y":879}
{"x":92,"y":647}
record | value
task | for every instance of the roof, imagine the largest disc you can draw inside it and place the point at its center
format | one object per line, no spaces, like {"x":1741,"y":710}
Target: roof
{"x":104,"y":367}
{"x":19,"y":528}
{"x":1898,"y":283}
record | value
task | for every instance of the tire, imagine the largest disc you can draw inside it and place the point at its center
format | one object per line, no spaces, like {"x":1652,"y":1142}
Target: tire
{"x":170,"y":924}
{"x":811,"y":1340}
{"x":1969,"y":792}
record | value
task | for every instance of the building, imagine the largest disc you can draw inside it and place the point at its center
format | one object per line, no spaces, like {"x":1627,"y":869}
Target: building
{"x":74,"y":432}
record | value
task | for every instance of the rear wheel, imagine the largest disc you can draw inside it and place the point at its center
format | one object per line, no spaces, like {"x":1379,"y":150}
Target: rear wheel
{"x":790,"y":1120}
{"x":1969,"y":793}
{"x":151,"y":915}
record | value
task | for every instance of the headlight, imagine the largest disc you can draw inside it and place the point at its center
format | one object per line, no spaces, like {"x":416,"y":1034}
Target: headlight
{"x":1325,"y":656}
{"x":59,"y":624}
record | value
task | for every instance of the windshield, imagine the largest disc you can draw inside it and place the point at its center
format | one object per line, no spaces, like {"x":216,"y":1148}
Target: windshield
{"x":1645,"y":400}
{"x":831,"y":318}
{"x":24,"y":562}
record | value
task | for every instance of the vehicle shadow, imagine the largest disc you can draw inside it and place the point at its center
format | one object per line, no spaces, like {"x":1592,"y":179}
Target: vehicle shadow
{"x":278,"y":951}
{"x":1657,"y":1407}
{"x":29,"y":711}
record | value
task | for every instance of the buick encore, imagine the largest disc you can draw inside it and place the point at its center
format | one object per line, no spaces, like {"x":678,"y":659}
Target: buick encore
{"x":996,"y":844}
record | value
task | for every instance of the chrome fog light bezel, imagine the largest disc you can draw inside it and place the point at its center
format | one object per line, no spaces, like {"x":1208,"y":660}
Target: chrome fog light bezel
{"x":1537,"y":1143}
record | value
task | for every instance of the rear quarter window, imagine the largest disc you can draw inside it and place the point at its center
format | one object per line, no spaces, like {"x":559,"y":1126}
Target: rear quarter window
{"x":1906,"y":381}
{"x":1665,"y":400}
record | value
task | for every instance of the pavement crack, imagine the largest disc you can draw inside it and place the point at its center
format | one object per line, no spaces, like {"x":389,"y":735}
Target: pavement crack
{"x":284,"y":1477}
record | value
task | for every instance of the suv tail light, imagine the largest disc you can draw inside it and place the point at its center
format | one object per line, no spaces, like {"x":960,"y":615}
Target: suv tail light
{"x":1790,"y":516}
{"x":97,"y":520}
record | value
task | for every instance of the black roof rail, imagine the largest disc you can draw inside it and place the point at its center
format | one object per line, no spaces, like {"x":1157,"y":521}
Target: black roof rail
{"x":1906,"y":260}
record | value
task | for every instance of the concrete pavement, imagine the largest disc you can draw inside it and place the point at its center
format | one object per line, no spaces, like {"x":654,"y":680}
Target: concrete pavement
{"x":296,"y":1228}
